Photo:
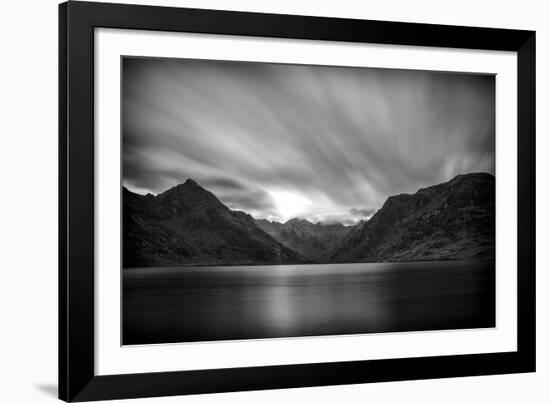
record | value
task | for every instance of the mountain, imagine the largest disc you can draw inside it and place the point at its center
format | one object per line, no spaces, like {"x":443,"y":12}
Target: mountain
{"x":314,"y":241}
{"x":188,"y":225}
{"x":453,"y":220}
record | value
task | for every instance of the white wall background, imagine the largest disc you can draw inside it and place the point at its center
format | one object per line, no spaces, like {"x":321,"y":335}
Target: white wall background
{"x":28,"y":201}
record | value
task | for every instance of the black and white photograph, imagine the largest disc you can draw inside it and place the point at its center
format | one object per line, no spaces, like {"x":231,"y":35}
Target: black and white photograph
{"x":280,"y":201}
{"x":266,"y":200}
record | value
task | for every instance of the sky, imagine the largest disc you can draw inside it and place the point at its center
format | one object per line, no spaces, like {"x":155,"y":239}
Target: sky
{"x":324,"y":143}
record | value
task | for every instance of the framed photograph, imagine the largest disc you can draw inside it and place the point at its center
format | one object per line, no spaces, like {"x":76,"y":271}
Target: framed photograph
{"x":258,"y":201}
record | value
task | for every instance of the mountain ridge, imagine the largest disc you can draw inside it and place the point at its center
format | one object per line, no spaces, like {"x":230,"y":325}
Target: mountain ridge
{"x":451,"y":220}
{"x":314,"y":241}
{"x":188,"y":225}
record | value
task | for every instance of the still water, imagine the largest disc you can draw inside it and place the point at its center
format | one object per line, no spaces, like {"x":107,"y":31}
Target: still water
{"x":183,"y":304}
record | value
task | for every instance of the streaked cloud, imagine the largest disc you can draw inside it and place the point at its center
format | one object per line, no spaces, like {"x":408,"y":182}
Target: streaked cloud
{"x":323,"y":143}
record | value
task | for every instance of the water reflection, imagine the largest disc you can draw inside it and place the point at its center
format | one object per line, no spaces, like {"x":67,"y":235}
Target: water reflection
{"x":179,"y":304}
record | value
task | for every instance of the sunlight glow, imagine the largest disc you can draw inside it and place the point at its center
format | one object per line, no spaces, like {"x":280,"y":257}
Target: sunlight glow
{"x":289,"y":204}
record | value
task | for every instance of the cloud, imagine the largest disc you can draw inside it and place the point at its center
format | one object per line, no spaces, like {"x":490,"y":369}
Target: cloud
{"x":342,"y":139}
{"x":364,"y":212}
{"x":251,"y":200}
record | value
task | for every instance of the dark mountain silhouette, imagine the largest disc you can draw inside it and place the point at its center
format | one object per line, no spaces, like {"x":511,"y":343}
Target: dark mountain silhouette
{"x":314,"y":241}
{"x":189,"y":225}
{"x":453,"y":220}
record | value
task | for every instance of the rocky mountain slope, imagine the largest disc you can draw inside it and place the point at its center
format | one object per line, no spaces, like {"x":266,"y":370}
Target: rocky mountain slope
{"x":314,"y":241}
{"x":187,"y":225}
{"x":453,"y":220}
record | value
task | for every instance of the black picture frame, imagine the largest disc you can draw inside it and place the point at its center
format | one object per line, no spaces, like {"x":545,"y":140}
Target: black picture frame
{"x":77,"y":378}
